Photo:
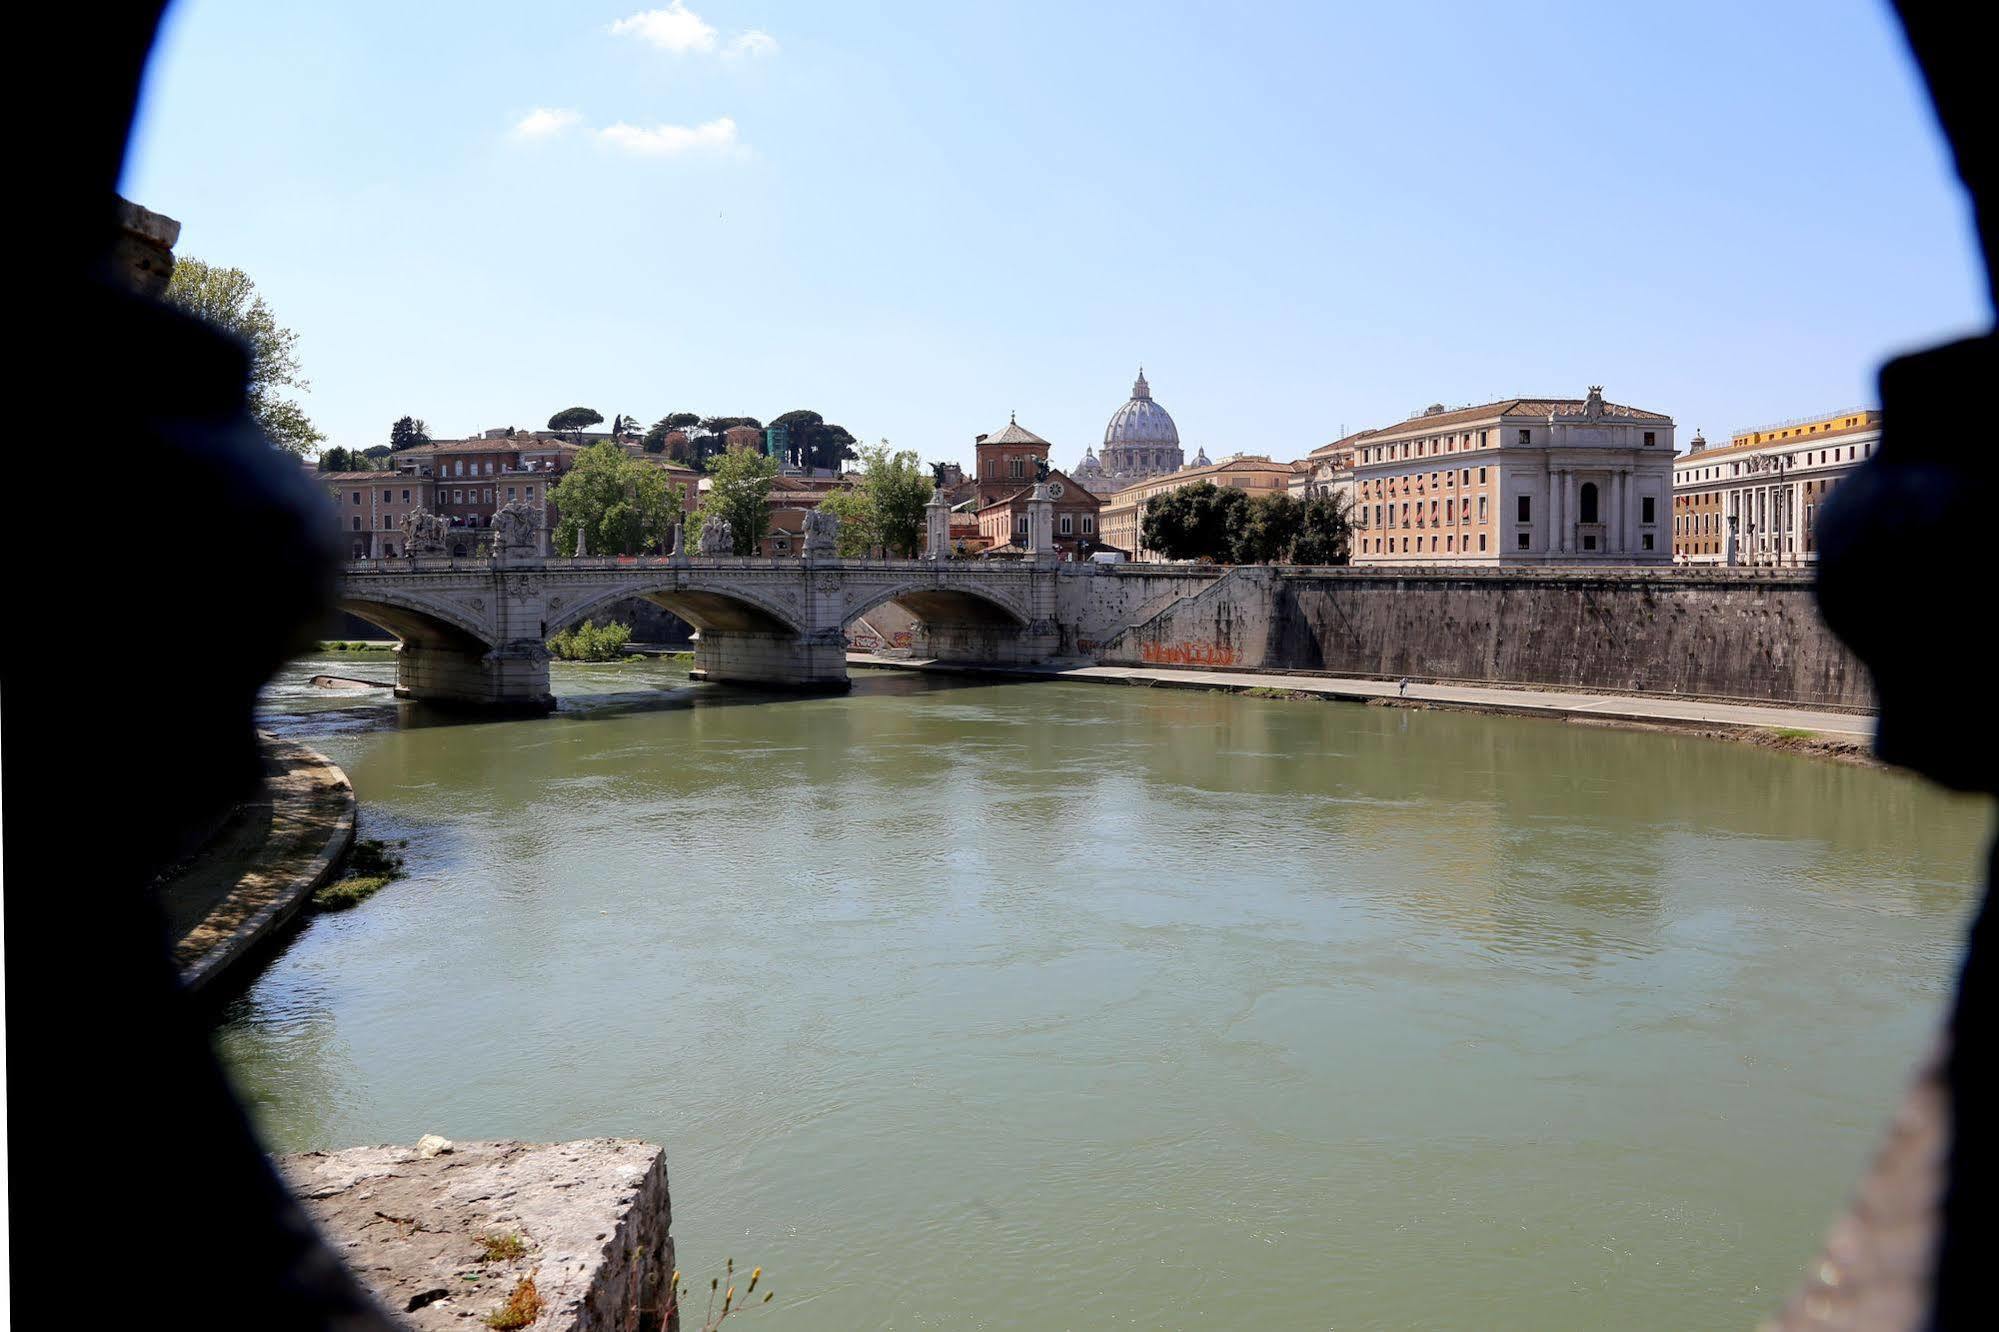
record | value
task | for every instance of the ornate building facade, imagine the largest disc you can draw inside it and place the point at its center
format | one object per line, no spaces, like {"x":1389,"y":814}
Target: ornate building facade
{"x":1141,"y":441}
{"x":1522,"y":481}
{"x":1754,"y":499}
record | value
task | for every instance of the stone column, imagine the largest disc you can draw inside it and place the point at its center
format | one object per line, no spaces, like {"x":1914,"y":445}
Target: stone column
{"x":1041,"y":525}
{"x":1554,"y":511}
{"x":1804,"y":524}
{"x":1627,"y":511}
{"x":937,"y":528}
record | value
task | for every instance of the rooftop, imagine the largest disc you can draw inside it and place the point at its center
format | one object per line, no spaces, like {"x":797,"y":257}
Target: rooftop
{"x":1014,"y":433}
{"x":1439,"y":418}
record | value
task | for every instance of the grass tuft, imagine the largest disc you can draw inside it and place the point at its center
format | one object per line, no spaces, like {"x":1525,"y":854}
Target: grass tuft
{"x":520,"y":1310}
{"x":371,"y":867}
{"x":501,"y":1248}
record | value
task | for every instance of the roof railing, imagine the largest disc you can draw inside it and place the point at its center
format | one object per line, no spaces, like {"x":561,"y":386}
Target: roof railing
{"x":1803,"y":420}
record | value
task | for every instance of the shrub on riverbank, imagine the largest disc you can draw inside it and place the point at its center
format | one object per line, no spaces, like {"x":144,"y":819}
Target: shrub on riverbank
{"x":591,"y":642}
{"x":371,"y":867}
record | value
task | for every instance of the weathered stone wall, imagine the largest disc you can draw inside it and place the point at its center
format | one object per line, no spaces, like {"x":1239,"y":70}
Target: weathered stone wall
{"x":593,"y":1220}
{"x":1094,"y":603}
{"x":1724,"y":633}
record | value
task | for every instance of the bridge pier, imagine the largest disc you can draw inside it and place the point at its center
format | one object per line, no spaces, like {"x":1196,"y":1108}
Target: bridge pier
{"x":975,"y":643}
{"x":510,"y":678}
{"x":816,"y":661}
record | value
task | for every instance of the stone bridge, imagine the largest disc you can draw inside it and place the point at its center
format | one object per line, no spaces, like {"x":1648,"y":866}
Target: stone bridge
{"x":474,"y":631}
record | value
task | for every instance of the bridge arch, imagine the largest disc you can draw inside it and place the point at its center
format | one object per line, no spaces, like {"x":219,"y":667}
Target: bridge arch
{"x":711,"y":606}
{"x":415,"y":618}
{"x":933,"y":601}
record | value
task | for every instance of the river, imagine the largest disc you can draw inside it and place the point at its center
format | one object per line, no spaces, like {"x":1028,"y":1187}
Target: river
{"x":963,"y":1005}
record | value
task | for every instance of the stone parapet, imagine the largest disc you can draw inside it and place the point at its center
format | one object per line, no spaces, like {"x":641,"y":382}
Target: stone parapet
{"x":445,"y":1233}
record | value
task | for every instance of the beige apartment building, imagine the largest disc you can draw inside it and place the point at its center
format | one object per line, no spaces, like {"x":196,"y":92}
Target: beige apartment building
{"x":1753,"y":500}
{"x":369,"y":509}
{"x":1523,"y":481}
{"x":1123,"y":516}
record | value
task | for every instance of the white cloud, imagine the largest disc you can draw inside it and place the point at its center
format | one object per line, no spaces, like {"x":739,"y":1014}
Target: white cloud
{"x":676,"y":28}
{"x":672,"y":140}
{"x":545,"y":122}
{"x":751,"y":45}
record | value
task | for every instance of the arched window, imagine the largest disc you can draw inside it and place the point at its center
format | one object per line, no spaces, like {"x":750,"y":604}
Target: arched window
{"x":1588,"y":502}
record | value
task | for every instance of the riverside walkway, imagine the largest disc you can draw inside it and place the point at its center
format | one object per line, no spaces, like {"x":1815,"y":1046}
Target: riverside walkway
{"x":1524,"y":700}
{"x":255,"y":874}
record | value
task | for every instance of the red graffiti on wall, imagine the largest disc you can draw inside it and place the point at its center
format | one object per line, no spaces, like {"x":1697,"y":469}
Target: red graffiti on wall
{"x":1186,"y":654}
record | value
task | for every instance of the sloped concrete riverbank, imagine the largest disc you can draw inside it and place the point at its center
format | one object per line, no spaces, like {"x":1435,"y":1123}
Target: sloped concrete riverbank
{"x":261,"y":866}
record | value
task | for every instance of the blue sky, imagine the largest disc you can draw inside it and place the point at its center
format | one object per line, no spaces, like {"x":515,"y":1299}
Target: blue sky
{"x":917,"y":217}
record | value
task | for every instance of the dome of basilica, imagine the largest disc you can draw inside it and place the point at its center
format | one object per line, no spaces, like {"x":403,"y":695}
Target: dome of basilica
{"x":1141,"y":421}
{"x":1140,"y":441}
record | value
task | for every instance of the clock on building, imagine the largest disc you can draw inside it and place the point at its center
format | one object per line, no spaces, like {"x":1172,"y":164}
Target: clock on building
{"x":1054,"y":490}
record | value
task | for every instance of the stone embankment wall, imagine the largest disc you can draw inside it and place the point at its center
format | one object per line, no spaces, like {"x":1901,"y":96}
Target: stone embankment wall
{"x":1096,"y":603}
{"x":1722,"y":633}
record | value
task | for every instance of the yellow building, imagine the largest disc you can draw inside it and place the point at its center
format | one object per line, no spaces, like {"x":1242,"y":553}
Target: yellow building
{"x":1123,"y":516}
{"x":1754,"y":499}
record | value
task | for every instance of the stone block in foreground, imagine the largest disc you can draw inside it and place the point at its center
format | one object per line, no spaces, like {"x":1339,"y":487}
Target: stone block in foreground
{"x":593,"y":1219}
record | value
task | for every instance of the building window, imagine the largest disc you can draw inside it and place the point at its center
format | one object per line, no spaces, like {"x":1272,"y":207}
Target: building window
{"x":1481,"y":508}
{"x":1587,"y":506}
{"x":1523,"y":541}
{"x":357,"y":523}
{"x":1648,"y":541}
{"x":388,"y":497}
{"x":357,"y":497}
{"x":1651,"y":438}
{"x":1526,"y":437}
{"x":1481,"y":476}
{"x":529,"y":491}
{"x":510,"y":494}
{"x":1089,"y":523}
{"x":406,"y":497}
{"x":460,"y":465}
{"x":1526,"y":508}
{"x":1649,"y":512}
{"x":1020,"y":525}
{"x":1068,"y":524}
{"x":1481,"y":543}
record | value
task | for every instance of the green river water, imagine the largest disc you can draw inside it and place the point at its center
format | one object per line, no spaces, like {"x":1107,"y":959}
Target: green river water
{"x":964,"y":1005}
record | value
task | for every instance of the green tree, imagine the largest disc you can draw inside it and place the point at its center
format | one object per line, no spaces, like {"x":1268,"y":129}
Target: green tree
{"x":408,"y":432}
{"x":815,"y":442}
{"x":855,"y":508}
{"x":377,"y":454}
{"x":739,"y":491}
{"x":1325,"y":532}
{"x":1197,"y":522}
{"x":227,"y":299}
{"x":335,"y":459}
{"x":624,"y":505}
{"x":574,"y":421}
{"x":623,"y":426}
{"x":655,"y":437}
{"x":1266,"y":528}
{"x":898,"y":485}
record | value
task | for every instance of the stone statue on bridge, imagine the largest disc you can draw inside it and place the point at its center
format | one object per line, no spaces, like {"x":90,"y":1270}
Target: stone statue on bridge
{"x":514,"y":528}
{"x":717,"y":537}
{"x":822,"y":534}
{"x":423,"y":533}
